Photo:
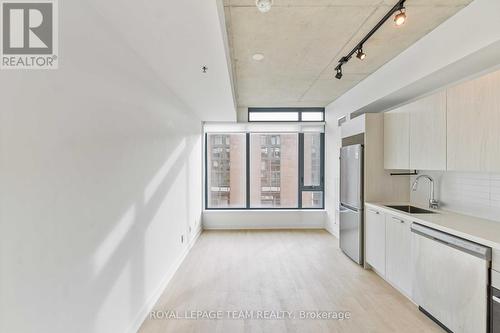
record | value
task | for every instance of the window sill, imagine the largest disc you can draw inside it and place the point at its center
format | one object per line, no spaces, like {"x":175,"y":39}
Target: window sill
{"x":264,"y":219}
{"x":270,"y":210}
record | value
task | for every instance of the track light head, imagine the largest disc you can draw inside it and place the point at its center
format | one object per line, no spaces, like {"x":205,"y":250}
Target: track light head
{"x":400,"y":17}
{"x":339,"y":73}
{"x":360,"y":54}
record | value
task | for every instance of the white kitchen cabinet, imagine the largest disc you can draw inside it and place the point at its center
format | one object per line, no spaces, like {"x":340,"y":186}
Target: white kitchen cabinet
{"x":397,"y":139}
{"x":473,"y":132}
{"x":375,"y":240}
{"x":428,"y":132}
{"x":398,"y":253}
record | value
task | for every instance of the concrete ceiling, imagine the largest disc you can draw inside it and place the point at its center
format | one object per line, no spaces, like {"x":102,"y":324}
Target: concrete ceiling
{"x":302,"y":41}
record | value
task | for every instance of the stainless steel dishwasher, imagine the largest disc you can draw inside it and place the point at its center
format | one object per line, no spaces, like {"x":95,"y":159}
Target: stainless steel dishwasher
{"x":451,"y":279}
{"x":495,"y":302}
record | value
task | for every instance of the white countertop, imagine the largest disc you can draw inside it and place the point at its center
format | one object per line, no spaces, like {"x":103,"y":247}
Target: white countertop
{"x":482,"y":231}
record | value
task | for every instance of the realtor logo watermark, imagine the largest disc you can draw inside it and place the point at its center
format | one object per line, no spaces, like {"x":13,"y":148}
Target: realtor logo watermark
{"x":29,"y":34}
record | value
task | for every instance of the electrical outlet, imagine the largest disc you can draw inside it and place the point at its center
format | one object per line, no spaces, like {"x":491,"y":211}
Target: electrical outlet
{"x":189,"y":229}
{"x":182,"y":238}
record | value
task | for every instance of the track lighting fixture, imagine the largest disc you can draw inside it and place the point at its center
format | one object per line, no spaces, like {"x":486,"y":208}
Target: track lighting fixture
{"x":360,"y":54}
{"x":399,"y":19}
{"x":339,"y":72}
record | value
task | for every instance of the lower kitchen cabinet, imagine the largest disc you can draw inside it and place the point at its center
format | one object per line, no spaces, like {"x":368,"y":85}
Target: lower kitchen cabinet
{"x":388,"y":248}
{"x":375,"y":240}
{"x":398,"y":268}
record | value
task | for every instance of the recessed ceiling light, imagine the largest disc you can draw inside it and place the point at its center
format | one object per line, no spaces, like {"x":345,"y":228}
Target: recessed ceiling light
{"x":258,"y":57}
{"x":264,"y":5}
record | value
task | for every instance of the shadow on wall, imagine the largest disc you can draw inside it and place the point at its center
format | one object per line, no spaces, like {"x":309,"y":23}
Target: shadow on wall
{"x":101,"y":175}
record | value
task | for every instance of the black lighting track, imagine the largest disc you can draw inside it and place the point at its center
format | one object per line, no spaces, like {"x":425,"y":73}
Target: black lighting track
{"x":399,"y":6}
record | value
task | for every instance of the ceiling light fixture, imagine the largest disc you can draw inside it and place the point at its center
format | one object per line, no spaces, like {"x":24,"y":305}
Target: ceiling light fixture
{"x":258,"y":57}
{"x":264,"y":5}
{"x":399,"y":19}
{"x":360,"y":54}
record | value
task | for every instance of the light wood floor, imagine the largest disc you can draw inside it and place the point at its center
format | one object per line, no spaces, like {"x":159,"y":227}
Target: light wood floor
{"x":281,"y":270}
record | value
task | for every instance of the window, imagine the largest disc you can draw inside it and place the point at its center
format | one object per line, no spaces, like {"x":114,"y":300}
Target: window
{"x":226,"y":178}
{"x":286,"y":114}
{"x":312,"y":179}
{"x":312,"y":199}
{"x":313,"y":116}
{"x":265,"y":170}
{"x":273,"y":116}
{"x":312,"y":159}
{"x":275,"y":186}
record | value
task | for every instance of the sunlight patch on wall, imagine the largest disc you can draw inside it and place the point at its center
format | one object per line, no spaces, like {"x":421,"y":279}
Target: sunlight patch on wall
{"x":155,"y":183}
{"x":109,"y":246}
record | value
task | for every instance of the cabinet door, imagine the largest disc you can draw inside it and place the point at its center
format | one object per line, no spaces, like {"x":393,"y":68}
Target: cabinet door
{"x":375,"y":240}
{"x":398,"y":253}
{"x":428,"y":133}
{"x":397,"y":139}
{"x":473,"y":132}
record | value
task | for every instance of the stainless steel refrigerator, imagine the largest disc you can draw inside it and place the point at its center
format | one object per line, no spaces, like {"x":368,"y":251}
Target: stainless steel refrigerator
{"x":351,"y":202}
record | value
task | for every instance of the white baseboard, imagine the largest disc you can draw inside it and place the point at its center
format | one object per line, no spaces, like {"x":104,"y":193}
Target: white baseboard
{"x":148,"y":306}
{"x":330,"y":227}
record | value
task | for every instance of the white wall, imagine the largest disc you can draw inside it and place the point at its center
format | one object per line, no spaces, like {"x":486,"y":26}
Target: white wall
{"x":175,"y":39}
{"x":333,"y":142}
{"x":100,"y":173}
{"x":476,"y":194}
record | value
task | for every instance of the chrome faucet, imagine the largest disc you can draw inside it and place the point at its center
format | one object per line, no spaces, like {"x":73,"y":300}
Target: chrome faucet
{"x":433,"y":203}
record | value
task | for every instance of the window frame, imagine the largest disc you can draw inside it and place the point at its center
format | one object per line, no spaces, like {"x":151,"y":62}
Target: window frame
{"x":299,"y":111}
{"x":300,"y":181}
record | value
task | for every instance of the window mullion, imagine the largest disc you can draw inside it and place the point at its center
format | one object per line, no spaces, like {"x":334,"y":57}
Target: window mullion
{"x":301,"y":169}
{"x":247,"y":161}
{"x":322,"y":166}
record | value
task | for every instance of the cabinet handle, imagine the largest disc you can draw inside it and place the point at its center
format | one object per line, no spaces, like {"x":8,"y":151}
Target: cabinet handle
{"x":374,"y":211}
{"x":399,"y":220}
{"x":495,"y":299}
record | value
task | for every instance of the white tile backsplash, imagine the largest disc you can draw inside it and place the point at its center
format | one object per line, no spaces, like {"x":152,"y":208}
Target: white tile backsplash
{"x":476,"y":194}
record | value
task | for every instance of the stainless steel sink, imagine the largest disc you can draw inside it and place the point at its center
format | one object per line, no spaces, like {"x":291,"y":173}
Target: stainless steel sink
{"x":411,"y":209}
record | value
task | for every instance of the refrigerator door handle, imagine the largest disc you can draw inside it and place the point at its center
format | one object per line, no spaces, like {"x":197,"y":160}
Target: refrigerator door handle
{"x":345,"y":208}
{"x":342,"y":209}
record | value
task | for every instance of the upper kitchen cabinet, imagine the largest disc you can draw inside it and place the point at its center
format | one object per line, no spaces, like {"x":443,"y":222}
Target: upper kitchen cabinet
{"x":474,"y":125}
{"x":397,"y":139}
{"x":428,"y":133}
